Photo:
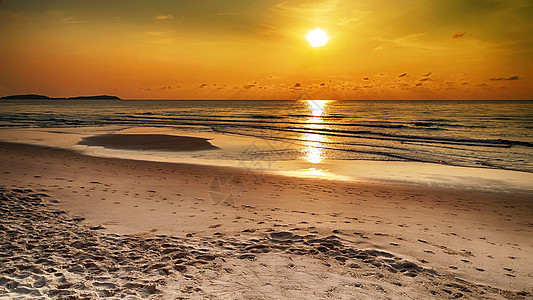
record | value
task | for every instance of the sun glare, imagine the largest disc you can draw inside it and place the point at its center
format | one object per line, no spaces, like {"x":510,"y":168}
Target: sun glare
{"x":317,"y":37}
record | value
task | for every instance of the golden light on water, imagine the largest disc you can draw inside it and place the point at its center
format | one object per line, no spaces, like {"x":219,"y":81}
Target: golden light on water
{"x":314,"y":147}
{"x":317,"y":107}
{"x":317,"y":37}
{"x":313,"y":172}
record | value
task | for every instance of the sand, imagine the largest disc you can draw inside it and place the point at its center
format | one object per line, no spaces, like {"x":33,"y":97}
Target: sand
{"x":75,"y":226}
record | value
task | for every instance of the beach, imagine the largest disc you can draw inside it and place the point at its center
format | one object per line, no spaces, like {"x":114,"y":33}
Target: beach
{"x":78,"y":226}
{"x":261,"y":150}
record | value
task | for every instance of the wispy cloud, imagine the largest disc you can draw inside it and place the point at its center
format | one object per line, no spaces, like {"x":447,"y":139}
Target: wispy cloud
{"x":70,"y":20}
{"x":409,"y":41}
{"x":164,"y":17}
{"x":61,"y":17}
{"x":335,"y":12}
{"x":229,"y":13}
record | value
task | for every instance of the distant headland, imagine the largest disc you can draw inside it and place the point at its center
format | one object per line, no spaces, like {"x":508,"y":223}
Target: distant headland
{"x":43,"y":97}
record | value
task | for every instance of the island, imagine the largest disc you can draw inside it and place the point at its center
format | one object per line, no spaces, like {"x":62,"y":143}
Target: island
{"x":43,"y":97}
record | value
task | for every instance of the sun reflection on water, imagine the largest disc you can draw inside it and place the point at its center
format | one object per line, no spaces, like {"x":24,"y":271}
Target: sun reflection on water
{"x":317,"y":107}
{"x":313,"y":141}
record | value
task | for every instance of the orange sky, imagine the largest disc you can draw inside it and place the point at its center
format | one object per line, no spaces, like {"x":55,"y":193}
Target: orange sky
{"x":379,"y":49}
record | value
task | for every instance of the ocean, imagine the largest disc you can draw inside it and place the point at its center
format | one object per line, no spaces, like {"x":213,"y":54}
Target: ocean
{"x":479,"y":134}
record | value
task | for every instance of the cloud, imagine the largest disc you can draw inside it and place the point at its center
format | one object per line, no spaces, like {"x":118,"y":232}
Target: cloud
{"x":414,"y":40}
{"x":418,"y":84}
{"x":458,"y":35}
{"x":273,"y":77}
{"x":268,"y":30}
{"x":229,"y":13}
{"x":426,"y":75}
{"x":425,"y":79}
{"x":516,"y":77}
{"x":366,"y":78}
{"x":334,"y":12}
{"x":381,"y":47}
{"x":296,"y":86}
{"x":403,"y":75}
{"x":203,"y":85}
{"x":60,"y":17}
{"x":164,"y":17}
{"x":70,"y":20}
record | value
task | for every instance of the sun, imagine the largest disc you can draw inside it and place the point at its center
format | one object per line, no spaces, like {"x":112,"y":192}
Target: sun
{"x":317,"y":37}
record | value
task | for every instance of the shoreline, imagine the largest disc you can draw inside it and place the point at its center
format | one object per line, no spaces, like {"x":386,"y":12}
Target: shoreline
{"x":477,"y":236}
{"x":369,"y":171}
{"x":222,"y":150}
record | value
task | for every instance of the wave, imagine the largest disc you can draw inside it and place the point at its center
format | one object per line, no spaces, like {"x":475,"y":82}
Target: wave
{"x":277,"y":119}
{"x":265,"y":122}
{"x":265,"y":117}
{"x":366,"y":134}
{"x":247,"y":120}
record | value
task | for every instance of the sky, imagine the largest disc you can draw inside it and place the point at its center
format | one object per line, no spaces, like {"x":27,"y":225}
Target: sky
{"x":237,"y":49}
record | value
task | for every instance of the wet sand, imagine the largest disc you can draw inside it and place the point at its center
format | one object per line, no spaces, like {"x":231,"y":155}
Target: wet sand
{"x":81,"y":226}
